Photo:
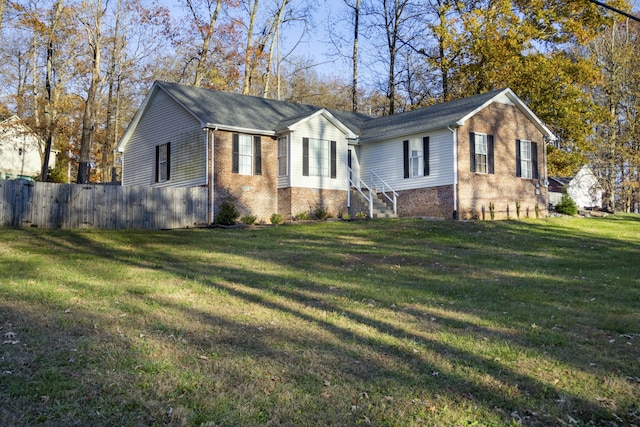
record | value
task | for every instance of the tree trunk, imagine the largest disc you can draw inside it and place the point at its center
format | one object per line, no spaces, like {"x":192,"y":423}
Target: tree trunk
{"x":109,"y":140}
{"x":49,"y":107}
{"x":88,"y":120}
{"x":249,"y":54}
{"x":207,"y":35}
{"x":356,"y":32}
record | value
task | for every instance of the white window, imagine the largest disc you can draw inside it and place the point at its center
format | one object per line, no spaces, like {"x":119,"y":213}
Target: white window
{"x":318,"y":157}
{"x":416,"y":163}
{"x":481,"y":153}
{"x":163,"y":156}
{"x":282,"y":156}
{"x":245,"y":155}
{"x":525,"y":159}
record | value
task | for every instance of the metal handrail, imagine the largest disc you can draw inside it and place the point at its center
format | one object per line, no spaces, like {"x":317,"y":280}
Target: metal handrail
{"x":377,"y":184}
{"x":358,"y":186}
{"x":384,"y":187}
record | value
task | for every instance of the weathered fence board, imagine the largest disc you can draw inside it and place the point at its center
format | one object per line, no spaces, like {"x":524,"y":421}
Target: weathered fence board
{"x":46,"y":205}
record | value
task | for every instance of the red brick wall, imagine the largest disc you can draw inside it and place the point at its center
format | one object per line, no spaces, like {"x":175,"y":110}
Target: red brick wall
{"x":258,"y":194}
{"x":430,"y":202}
{"x":252,"y":194}
{"x":506,"y":123}
{"x":296,"y":200}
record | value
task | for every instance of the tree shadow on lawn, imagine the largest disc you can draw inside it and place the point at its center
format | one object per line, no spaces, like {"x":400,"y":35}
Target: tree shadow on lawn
{"x":395,"y":365}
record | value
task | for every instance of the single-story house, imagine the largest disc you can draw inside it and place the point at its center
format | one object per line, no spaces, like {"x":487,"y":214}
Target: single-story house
{"x":584,"y":188}
{"x":452,"y":160}
{"x":20,"y":150}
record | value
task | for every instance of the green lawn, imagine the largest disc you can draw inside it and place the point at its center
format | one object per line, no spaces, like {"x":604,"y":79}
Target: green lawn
{"x":383,"y":323}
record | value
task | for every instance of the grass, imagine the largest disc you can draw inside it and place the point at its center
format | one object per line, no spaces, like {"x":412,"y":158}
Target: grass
{"x":385,"y":323}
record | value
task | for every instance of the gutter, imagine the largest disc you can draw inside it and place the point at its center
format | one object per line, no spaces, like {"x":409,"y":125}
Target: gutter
{"x":211,"y":131}
{"x":216,"y":127}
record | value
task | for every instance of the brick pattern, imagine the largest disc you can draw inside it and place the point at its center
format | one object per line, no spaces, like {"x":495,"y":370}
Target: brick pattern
{"x":252,"y":194}
{"x":476,"y":191}
{"x":296,"y":200}
{"x":428,"y":202}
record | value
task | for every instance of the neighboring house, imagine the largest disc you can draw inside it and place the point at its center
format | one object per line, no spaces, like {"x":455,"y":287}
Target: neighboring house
{"x":450,"y":160}
{"x":20,"y":155}
{"x":584,"y":188}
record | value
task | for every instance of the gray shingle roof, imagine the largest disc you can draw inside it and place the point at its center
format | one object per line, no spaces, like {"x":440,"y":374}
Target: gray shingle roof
{"x":249,"y":112}
{"x":233,"y":110}
{"x":437,"y":116}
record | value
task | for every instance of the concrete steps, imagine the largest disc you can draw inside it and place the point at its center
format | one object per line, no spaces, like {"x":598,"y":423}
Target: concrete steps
{"x":360,"y":204}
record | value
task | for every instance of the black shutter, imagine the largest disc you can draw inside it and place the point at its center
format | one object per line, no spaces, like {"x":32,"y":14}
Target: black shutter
{"x":157,"y":163}
{"x":472,"y":150}
{"x":405,"y":148}
{"x":235,"y":161}
{"x":490,"y":167}
{"x":534,"y":160}
{"x":305,"y":156}
{"x":425,"y":154}
{"x":518,"y":159}
{"x":168,"y":161}
{"x":334,"y":160}
{"x":257,"y":155}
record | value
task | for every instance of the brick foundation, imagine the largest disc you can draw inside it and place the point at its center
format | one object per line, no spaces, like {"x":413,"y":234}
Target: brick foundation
{"x":431,"y":202}
{"x":293,"y":201}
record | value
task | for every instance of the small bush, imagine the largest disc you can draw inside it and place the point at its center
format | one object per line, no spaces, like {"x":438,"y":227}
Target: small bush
{"x":518,"y":209}
{"x":321,"y":213}
{"x":303,"y":216}
{"x":567,"y":205}
{"x":228,"y":214}
{"x":361,"y":215}
{"x":346,"y":217}
{"x":276,"y":219}
{"x":537,"y":208}
{"x":249,"y":219}
{"x":492,"y":210}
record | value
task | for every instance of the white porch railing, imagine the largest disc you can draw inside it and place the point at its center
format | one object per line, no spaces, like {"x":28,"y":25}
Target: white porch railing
{"x":376,"y":185}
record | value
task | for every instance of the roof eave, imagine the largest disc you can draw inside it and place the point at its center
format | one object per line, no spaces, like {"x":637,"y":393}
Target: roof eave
{"x":239,"y":129}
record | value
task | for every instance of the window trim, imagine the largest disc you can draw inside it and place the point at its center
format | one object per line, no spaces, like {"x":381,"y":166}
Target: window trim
{"x":409,"y":159}
{"x":163,"y":165}
{"x":490,"y":168}
{"x":255,"y":145}
{"x":532,"y":161}
{"x":283,"y":156}
{"x":310,"y":152}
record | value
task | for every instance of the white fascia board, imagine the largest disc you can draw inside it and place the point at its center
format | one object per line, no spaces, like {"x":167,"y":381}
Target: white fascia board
{"x":519,"y":104}
{"x":330,"y":117}
{"x":238,"y":129}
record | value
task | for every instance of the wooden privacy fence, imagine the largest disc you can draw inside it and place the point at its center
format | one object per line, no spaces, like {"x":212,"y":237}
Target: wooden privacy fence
{"x":40,"y":204}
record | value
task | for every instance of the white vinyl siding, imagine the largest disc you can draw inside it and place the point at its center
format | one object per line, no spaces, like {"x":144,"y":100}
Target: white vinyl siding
{"x":164,"y":122}
{"x":386,"y":160}
{"x":318,"y":128}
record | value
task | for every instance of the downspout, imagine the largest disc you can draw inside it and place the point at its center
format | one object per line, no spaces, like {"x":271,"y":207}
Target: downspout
{"x":455,"y":170}
{"x":210,"y":141}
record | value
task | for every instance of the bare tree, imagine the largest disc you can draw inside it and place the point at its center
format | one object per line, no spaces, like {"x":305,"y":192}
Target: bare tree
{"x":206,"y":32}
{"x":50,"y":104}
{"x":93,"y":26}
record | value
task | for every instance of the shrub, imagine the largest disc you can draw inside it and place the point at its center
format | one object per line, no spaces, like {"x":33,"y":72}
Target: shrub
{"x":361,"y":215}
{"x":346,"y":217}
{"x":321,"y":213}
{"x":228,"y":214}
{"x":518,"y":209}
{"x":492,"y":210}
{"x":537,"y":208}
{"x":303,"y":216}
{"x":276,"y":219}
{"x":567,"y":205}
{"x":249,"y":219}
